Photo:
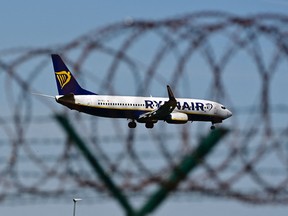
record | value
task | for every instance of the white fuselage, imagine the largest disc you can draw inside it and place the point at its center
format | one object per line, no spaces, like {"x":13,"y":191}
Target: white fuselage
{"x":132,"y":107}
{"x":146,"y":110}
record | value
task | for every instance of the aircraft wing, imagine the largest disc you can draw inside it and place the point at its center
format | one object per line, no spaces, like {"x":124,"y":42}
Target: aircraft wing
{"x":163,"y":111}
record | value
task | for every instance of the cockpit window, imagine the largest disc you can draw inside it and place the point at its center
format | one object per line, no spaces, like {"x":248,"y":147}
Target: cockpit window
{"x":223,"y":107}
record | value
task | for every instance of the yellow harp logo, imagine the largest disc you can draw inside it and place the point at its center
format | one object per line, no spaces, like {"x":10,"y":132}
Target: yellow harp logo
{"x":63,"y":78}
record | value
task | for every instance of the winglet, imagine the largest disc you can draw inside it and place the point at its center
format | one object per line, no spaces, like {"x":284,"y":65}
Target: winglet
{"x":170,"y":93}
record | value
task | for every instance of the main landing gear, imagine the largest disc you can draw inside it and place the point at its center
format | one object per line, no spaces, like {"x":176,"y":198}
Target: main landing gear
{"x":132,"y":124}
{"x":149,"y":125}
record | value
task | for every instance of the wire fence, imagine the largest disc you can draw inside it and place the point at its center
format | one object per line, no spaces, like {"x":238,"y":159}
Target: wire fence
{"x":238,"y":61}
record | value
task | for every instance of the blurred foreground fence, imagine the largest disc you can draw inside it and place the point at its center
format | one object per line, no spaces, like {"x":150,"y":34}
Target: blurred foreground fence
{"x":241,"y":62}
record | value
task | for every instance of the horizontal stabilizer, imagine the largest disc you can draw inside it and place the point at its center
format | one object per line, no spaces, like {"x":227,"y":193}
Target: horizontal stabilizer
{"x":43,"y":95}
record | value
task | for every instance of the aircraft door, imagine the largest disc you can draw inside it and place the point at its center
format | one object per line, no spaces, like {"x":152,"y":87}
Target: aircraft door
{"x":215,"y":110}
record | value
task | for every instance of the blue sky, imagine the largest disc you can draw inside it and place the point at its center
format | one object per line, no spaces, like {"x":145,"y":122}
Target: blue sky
{"x":34,"y":23}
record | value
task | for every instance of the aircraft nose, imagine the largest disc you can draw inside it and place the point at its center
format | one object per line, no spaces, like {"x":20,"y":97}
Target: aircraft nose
{"x":229,"y":113}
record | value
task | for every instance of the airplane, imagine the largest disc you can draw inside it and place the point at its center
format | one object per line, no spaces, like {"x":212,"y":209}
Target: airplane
{"x":148,"y":110}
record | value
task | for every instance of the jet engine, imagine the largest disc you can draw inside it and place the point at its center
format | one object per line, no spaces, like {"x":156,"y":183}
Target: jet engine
{"x":177,"y":118}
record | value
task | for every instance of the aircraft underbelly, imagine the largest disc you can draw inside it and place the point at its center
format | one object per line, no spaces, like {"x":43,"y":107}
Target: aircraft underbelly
{"x":197,"y":117}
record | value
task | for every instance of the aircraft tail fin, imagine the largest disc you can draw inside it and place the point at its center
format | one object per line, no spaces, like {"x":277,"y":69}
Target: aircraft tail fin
{"x":66,"y":83}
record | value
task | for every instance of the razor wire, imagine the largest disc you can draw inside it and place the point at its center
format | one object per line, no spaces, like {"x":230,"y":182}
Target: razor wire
{"x":240,"y":61}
